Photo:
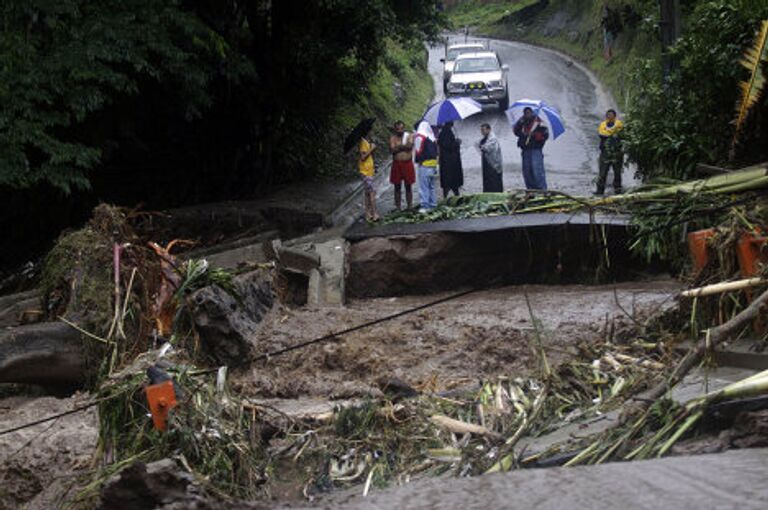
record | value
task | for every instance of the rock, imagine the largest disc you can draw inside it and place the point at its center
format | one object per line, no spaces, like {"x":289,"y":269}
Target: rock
{"x":162,"y":485}
{"x":225,"y":323}
{"x":47,"y":353}
{"x":148,"y":486}
{"x":395,"y":388}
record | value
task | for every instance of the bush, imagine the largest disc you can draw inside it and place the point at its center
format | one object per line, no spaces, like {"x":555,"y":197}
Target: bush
{"x":686,"y":119}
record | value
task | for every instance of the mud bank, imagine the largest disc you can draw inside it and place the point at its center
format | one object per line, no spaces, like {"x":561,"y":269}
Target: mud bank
{"x":40,"y":466}
{"x":428,"y":258}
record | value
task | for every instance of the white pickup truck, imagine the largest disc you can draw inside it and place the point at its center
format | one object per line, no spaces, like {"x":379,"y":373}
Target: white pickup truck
{"x":451,"y":53}
{"x":480,"y":76}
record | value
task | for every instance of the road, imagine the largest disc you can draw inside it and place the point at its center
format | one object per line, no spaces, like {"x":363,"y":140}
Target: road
{"x":536,"y":73}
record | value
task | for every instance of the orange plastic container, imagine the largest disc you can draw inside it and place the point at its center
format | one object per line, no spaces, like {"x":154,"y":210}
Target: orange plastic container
{"x":697,"y":246}
{"x":161,"y":398}
{"x":752,"y":252}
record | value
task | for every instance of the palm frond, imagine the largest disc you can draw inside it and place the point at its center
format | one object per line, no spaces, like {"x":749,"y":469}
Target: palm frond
{"x":751,"y":89}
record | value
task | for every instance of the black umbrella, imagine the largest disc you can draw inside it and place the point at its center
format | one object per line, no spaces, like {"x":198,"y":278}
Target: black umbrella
{"x":359,"y":132}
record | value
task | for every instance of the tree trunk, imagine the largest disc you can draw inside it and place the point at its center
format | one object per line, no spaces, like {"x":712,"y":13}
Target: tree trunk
{"x":48,"y":353}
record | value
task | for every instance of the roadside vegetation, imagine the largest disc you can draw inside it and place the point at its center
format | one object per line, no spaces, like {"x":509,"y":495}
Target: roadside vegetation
{"x":485,"y":16}
{"x":677,"y":122}
{"x":400,"y":89}
{"x":170,"y":103}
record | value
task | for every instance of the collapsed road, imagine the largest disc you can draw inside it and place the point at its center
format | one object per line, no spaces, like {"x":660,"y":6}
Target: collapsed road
{"x":447,"y":389}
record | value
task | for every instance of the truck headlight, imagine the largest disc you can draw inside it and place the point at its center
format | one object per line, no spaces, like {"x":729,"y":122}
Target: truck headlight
{"x":494,"y":84}
{"x":455,"y":87}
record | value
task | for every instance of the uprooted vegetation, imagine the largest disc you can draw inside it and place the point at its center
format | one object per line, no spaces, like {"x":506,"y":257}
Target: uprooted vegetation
{"x":464,"y":397}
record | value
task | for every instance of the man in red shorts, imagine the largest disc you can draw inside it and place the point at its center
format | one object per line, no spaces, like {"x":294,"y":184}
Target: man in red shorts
{"x":401,"y":147}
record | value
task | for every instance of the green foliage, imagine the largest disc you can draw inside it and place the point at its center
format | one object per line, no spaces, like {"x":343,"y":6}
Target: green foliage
{"x":399,"y":89}
{"x":483,"y":15}
{"x":64,"y":60}
{"x":686,"y":119}
{"x":251,"y":73}
{"x":754,"y":59}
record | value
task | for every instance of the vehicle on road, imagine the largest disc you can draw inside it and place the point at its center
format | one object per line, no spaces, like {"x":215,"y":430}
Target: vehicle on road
{"x":452,"y":52}
{"x":480,"y":76}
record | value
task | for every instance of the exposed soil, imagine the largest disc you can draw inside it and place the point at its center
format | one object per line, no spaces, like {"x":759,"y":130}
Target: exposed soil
{"x":453,"y":344}
{"x":39,"y":466}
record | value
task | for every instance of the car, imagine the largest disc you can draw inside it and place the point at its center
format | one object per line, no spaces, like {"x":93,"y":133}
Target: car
{"x":451,"y":53}
{"x":480,"y":76}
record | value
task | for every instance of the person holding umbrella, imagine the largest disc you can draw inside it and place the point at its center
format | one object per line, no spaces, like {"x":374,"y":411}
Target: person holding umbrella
{"x":451,"y":172}
{"x":531,"y":137}
{"x":360,"y":136}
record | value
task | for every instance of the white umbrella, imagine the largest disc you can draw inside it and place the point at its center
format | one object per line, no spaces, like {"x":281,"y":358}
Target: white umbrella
{"x":449,"y":110}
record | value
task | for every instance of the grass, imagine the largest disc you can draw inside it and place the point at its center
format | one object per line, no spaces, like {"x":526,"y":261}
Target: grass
{"x":482,"y":16}
{"x":401,"y":89}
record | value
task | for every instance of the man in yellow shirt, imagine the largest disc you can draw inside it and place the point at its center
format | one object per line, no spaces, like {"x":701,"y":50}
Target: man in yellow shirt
{"x":611,"y":152}
{"x":367,"y":172}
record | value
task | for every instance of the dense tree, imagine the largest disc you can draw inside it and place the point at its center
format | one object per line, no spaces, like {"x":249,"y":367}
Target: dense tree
{"x":84,"y":85}
{"x":687,"y":117}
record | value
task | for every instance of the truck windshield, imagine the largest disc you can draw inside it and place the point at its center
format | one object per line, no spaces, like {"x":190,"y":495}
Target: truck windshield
{"x":476,"y":65}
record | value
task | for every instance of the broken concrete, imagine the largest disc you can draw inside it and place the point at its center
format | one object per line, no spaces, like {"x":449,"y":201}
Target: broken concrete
{"x":734,"y":479}
{"x":299,"y":259}
{"x":327,"y":283}
{"x":248,"y":250}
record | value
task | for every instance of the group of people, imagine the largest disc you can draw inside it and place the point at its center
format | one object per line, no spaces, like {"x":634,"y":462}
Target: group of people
{"x":421,"y":156}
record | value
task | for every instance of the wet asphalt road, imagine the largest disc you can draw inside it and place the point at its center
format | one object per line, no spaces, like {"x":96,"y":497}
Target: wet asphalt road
{"x":535,"y":73}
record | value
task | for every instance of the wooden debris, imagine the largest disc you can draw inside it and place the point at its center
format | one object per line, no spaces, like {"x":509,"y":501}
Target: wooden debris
{"x":461,"y":427}
{"x":717,"y":288}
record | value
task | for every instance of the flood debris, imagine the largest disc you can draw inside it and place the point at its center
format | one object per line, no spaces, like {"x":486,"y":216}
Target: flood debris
{"x":140,"y":316}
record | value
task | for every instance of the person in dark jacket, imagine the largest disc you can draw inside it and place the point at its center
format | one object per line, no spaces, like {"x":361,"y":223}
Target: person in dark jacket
{"x":451,"y":172}
{"x":531,"y":137}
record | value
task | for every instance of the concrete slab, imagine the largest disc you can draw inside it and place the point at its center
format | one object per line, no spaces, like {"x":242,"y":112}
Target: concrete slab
{"x":362,"y":230}
{"x":733,"y":479}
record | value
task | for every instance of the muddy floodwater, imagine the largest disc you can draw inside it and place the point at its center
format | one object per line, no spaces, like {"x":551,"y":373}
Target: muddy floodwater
{"x":453,"y":344}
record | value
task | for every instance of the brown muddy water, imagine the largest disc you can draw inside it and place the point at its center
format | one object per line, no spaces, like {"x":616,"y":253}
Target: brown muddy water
{"x":459,"y":342}
{"x":452,"y":345}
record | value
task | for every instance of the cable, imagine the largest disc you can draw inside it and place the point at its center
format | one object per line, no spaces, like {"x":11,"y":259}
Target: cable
{"x":54,"y":417}
{"x":331,"y":336}
{"x":262,"y":356}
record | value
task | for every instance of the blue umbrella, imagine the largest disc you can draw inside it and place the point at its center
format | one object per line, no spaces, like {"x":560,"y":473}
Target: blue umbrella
{"x":547,"y":113}
{"x":449,"y":110}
